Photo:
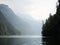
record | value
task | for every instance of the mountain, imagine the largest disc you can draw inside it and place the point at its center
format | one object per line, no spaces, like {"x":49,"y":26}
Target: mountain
{"x":30,"y":26}
{"x":6,"y":28}
{"x":25,"y":24}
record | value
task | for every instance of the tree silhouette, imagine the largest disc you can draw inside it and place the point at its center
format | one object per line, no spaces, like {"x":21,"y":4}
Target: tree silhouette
{"x":51,"y":29}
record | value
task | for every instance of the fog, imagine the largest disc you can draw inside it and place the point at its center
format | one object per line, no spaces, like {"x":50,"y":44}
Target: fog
{"x":26,"y":17}
{"x":24,"y":23}
{"x":30,"y":26}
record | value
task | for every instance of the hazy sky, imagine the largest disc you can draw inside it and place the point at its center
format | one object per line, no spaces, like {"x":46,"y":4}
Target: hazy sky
{"x":38,"y":9}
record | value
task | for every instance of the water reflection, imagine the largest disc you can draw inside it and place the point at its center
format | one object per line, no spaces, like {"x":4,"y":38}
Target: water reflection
{"x":20,"y":41}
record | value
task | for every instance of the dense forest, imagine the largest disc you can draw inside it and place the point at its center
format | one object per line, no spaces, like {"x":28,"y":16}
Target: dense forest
{"x":51,"y":29}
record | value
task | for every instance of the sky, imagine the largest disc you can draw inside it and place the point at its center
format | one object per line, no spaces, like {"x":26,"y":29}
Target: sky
{"x":38,"y":9}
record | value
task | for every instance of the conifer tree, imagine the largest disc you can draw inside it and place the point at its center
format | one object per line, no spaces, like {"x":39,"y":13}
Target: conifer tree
{"x":51,"y":29}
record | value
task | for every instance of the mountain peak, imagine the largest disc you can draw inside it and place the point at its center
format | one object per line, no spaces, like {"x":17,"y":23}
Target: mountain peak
{"x":3,"y":5}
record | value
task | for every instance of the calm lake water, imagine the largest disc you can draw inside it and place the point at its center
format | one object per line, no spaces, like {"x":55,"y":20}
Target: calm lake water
{"x":21,"y":41}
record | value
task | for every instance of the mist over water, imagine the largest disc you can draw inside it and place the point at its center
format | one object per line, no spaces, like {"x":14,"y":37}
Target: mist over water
{"x":19,"y":19}
{"x":22,"y":25}
{"x":30,"y":26}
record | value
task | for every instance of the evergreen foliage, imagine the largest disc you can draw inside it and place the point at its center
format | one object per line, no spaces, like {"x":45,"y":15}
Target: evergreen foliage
{"x":51,"y":29}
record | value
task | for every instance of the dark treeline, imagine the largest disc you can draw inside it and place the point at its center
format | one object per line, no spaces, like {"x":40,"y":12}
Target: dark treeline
{"x":51,"y":29}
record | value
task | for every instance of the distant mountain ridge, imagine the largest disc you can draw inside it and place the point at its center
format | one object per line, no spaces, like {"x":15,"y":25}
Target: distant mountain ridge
{"x":25,"y":25}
